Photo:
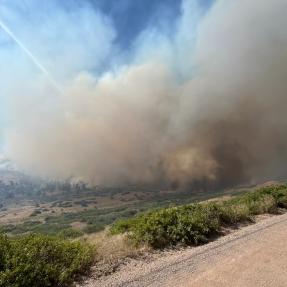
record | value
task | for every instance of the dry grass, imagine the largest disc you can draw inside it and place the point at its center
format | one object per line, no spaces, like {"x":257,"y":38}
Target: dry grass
{"x":112,"y":251}
{"x":78,"y":225}
{"x":15,"y":215}
{"x":113,"y":247}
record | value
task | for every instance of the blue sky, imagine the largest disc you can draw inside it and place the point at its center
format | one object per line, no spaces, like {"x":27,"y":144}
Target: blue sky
{"x":130,"y":17}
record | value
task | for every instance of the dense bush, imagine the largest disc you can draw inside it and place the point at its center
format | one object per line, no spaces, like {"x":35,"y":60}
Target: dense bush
{"x":196,"y":223}
{"x":188,"y":224}
{"x":40,"y":261}
{"x":243,"y":208}
{"x":70,"y":233}
{"x":93,"y":228}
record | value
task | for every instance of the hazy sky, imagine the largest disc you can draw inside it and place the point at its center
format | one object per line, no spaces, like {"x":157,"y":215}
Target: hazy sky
{"x":71,"y":36}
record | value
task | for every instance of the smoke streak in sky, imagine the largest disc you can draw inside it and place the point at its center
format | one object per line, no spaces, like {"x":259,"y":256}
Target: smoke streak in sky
{"x":200,"y":101}
{"x":30,"y":55}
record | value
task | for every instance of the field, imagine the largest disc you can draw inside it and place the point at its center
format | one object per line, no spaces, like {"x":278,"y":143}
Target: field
{"x":53,"y":208}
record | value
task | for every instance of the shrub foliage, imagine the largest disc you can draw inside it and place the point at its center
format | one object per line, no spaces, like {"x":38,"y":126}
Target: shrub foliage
{"x":197,"y":223}
{"x":40,"y":261}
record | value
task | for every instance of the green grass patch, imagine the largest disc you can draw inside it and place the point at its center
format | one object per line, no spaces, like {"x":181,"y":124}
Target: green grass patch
{"x":197,"y":223}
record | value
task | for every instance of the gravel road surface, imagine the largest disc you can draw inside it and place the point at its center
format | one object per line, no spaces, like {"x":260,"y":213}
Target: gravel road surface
{"x":255,"y":255}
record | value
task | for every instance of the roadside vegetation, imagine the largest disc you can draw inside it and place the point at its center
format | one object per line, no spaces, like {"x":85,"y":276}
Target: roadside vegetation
{"x":40,"y":261}
{"x":197,"y":223}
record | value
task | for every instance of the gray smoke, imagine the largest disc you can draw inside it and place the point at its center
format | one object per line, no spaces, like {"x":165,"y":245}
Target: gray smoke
{"x":205,"y":108}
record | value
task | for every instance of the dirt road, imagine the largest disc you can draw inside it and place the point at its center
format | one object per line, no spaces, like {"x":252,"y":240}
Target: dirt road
{"x":255,"y":255}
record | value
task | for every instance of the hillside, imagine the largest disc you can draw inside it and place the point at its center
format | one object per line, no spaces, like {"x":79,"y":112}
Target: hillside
{"x":49,"y":207}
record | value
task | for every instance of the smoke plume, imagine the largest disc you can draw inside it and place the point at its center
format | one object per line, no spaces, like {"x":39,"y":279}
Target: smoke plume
{"x":204,"y":106}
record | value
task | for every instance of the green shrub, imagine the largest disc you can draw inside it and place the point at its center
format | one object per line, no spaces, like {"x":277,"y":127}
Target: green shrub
{"x":123,"y":225}
{"x":190,"y":224}
{"x":280,"y":195}
{"x":92,"y":228}
{"x":233,"y":212}
{"x":40,"y":261}
{"x":196,"y":223}
{"x":4,"y":248}
{"x":70,"y":233}
{"x":243,"y":208}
